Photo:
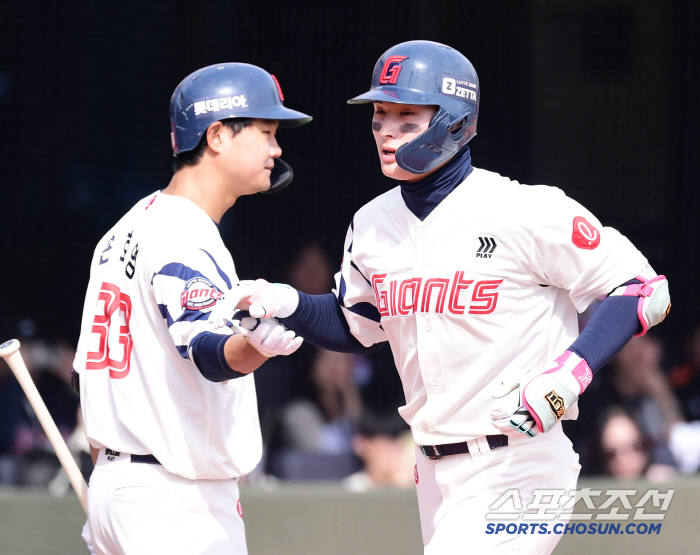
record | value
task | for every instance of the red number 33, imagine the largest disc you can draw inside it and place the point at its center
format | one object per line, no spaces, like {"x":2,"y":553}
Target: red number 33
{"x":114,"y":303}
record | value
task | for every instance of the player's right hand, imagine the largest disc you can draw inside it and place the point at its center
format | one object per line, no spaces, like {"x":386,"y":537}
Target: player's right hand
{"x":269,"y":337}
{"x":511,"y":417}
{"x":226,"y":306}
{"x":272,"y":299}
{"x":544,"y":398}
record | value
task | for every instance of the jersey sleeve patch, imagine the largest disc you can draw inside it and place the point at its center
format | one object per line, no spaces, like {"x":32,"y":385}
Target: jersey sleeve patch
{"x":199,"y":293}
{"x":584,"y":234}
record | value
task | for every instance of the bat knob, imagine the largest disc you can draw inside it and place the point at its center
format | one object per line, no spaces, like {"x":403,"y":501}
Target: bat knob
{"x":9,"y":347}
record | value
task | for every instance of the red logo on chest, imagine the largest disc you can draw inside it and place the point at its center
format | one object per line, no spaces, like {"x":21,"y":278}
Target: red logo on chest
{"x":585,"y":235}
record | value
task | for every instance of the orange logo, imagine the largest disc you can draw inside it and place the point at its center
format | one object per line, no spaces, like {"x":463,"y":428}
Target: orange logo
{"x":556,"y":404}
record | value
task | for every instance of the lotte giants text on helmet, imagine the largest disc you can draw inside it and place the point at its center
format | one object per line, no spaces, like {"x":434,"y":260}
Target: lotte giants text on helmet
{"x":224,"y":91}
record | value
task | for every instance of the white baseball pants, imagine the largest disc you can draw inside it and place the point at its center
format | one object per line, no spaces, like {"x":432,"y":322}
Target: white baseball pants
{"x":141,"y":509}
{"x":455,"y":493}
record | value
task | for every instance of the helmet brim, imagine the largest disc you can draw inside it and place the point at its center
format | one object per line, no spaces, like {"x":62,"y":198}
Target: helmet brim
{"x":285,"y":116}
{"x":398,"y":95}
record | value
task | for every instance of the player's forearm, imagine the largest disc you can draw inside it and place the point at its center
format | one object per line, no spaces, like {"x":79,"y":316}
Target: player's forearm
{"x":320,"y":321}
{"x":612,"y":325}
{"x":241,"y":356}
{"x":224,"y":357}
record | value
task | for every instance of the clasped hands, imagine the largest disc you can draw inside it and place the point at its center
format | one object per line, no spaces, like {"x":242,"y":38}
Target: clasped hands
{"x":263,"y":301}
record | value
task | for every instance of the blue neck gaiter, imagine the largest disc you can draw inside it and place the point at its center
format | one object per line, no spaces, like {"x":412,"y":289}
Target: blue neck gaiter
{"x":421,"y":197}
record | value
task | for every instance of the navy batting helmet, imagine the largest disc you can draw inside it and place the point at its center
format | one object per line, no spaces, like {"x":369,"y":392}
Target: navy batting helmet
{"x":423,"y":72}
{"x":229,"y":90}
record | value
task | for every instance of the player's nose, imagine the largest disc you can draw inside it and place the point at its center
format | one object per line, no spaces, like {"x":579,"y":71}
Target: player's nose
{"x":389,"y":129}
{"x":275,"y":149}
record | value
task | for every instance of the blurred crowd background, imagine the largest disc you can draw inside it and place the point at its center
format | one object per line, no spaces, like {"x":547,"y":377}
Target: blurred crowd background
{"x":596,"y":97}
{"x":333,"y":416}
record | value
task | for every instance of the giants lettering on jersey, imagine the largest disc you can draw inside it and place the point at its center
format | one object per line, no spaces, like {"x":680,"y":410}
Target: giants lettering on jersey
{"x":456,"y":296}
{"x":199,"y":293}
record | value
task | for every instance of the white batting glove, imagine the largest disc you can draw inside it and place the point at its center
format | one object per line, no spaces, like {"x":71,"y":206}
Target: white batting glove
{"x":511,"y":417}
{"x":272,"y":299}
{"x":269,"y":337}
{"x":225,"y":307}
{"x":544,"y":399}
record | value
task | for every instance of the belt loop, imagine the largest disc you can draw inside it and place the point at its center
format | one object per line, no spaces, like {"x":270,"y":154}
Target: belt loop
{"x":484,"y":447}
{"x":474,"y":450}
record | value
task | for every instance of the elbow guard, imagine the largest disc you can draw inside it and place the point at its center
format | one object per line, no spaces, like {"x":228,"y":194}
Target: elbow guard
{"x":654,"y":299}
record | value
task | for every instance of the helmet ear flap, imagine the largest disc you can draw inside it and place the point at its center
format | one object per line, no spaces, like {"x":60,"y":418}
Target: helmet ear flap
{"x":280,"y":177}
{"x":457,"y":131}
{"x":431,"y":148}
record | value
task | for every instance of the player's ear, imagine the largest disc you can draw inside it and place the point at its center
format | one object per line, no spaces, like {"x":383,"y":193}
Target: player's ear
{"x":215,"y":136}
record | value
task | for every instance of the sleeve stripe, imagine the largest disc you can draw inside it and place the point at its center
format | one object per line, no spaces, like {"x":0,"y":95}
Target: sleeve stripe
{"x":186,"y":316}
{"x":192,"y":316}
{"x":365,"y":310}
{"x":341,"y":291}
{"x":165,"y":313}
{"x":359,"y":272}
{"x":221,"y":272}
{"x":175,"y":269}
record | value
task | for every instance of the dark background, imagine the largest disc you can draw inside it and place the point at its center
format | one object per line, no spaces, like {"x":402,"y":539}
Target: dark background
{"x":599,"y":98}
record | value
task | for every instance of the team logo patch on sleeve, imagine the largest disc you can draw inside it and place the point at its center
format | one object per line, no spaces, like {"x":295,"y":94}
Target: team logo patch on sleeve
{"x":199,"y":293}
{"x":585,"y":235}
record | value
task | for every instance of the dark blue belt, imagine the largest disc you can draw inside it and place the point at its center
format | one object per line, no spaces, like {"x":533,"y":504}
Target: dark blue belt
{"x":434,"y":452}
{"x":147,"y":459}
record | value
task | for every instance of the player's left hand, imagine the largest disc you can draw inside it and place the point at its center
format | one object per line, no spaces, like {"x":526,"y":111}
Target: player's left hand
{"x":269,"y":337}
{"x":544,"y":399}
{"x":226,"y":306}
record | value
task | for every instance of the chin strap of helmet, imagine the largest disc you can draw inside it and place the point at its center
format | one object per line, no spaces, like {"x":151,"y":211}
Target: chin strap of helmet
{"x":280,"y":177}
{"x":435,"y":145}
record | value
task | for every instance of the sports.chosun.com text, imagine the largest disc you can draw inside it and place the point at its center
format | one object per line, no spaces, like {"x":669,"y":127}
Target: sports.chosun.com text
{"x":573,"y":528}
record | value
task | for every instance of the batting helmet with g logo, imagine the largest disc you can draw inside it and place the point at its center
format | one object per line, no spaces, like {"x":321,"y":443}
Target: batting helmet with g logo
{"x":428,"y":73}
{"x":229,"y":90}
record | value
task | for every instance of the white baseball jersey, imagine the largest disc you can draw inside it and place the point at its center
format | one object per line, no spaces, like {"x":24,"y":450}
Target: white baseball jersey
{"x":485,"y":288}
{"x":154,"y":278}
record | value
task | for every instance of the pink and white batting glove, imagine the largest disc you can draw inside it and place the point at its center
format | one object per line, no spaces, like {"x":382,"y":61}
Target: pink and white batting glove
{"x":543,"y":400}
{"x":272,"y":299}
{"x":225,"y":307}
{"x":269,"y":337}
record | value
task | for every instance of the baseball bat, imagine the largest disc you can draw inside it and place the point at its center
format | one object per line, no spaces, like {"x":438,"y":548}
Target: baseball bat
{"x":10,"y":352}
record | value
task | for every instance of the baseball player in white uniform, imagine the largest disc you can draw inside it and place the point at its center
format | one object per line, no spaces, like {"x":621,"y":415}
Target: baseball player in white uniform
{"x":475,"y":281}
{"x":168,"y":400}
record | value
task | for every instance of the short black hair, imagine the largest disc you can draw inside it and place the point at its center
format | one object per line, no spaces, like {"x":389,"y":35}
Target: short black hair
{"x":192,"y":157}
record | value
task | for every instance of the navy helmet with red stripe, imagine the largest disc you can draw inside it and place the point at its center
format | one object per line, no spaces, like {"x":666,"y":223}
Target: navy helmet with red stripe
{"x":224,"y":91}
{"x":422,"y":72}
